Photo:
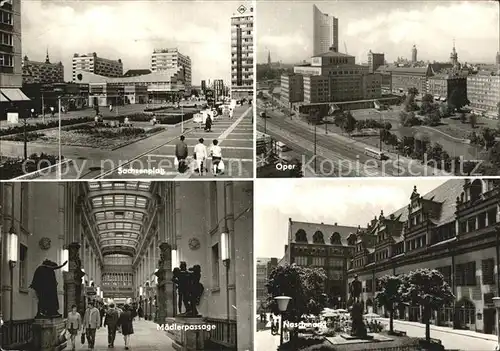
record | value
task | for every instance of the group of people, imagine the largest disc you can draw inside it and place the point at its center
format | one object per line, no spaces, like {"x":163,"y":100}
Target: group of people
{"x":200,"y":155}
{"x":94,"y":318}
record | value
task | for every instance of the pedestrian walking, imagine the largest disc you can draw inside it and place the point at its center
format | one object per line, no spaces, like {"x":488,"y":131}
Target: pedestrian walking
{"x":208,"y":124}
{"x":140,"y":312}
{"x":110,"y":108}
{"x":102,"y":314}
{"x":125,"y":322}
{"x":230,"y":113}
{"x":52,"y":111}
{"x":216,"y":153}
{"x":181,"y":154}
{"x":201,"y":155}
{"x":111,"y":321}
{"x":73,"y":325}
{"x":91,"y":323}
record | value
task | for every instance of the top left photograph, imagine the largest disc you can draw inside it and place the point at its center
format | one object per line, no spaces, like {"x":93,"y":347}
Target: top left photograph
{"x":126,"y":89}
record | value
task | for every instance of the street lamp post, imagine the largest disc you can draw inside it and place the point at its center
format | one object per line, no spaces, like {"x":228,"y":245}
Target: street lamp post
{"x":225,"y":256}
{"x":174,"y":294}
{"x":282,"y":306}
{"x":12,"y":248}
{"x":315,"y":163}
{"x":496,"y":302}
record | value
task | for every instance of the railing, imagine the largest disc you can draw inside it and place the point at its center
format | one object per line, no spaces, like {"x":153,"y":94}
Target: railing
{"x":22,"y":334}
{"x":224,"y":334}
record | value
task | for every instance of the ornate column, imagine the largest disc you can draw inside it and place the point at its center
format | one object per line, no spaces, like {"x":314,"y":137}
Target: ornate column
{"x":164,"y":291}
{"x":74,"y":281}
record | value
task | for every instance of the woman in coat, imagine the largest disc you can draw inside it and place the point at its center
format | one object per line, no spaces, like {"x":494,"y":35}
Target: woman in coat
{"x":125,"y":321}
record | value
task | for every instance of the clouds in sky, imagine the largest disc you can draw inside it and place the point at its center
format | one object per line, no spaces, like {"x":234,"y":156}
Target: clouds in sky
{"x":347,"y":202}
{"x":390,"y":27}
{"x":130,"y":30}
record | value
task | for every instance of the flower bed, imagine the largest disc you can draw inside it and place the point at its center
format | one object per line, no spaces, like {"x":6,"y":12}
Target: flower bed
{"x":102,"y":137}
{"x":40,"y":126}
{"x":16,"y":167}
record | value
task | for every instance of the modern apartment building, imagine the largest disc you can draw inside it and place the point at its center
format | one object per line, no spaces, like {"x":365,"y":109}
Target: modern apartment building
{"x":97,"y":65}
{"x":242,"y":53}
{"x":483,"y":92}
{"x":218,"y":89}
{"x":403,"y":78}
{"x":10,"y":57}
{"x":453,"y":229}
{"x":42,"y":72}
{"x":172,"y":58}
{"x":325,"y":32}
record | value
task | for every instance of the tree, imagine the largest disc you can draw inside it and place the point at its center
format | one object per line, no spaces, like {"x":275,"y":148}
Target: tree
{"x":426,"y":288}
{"x":433,"y":118}
{"x":387,"y":126}
{"x":195,"y":92}
{"x":349,"y":122}
{"x":389,"y":296}
{"x":303,"y":284}
{"x":427,"y":104}
{"x":413,"y":91}
{"x":489,"y":136}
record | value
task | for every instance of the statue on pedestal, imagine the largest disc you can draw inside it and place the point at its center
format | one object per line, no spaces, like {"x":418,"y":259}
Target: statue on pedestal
{"x":45,"y":285}
{"x":189,"y":288}
{"x":358,"y":328}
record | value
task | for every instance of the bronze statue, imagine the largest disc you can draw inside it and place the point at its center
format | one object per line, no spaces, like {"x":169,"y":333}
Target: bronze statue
{"x":355,"y":289}
{"x":45,"y":285}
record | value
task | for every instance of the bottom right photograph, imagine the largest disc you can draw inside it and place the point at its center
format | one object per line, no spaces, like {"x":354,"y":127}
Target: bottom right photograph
{"x":377,"y":264}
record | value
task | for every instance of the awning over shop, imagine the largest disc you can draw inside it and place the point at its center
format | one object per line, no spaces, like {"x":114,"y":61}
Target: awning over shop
{"x":14,"y":95}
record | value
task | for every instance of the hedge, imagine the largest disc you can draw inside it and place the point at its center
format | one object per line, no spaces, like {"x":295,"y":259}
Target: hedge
{"x":16,"y":167}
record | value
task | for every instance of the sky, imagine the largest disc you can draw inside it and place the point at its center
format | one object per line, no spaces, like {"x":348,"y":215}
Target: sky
{"x":391,"y":27}
{"x":130,"y":30}
{"x":347,"y":202}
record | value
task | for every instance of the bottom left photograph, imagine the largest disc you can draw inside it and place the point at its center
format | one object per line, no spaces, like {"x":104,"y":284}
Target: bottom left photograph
{"x":126,"y":265}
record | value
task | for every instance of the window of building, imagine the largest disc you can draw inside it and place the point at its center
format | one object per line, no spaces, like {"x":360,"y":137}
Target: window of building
{"x":318,"y":238}
{"x":369,"y":285}
{"x":481,"y":221}
{"x":301,"y":260}
{"x":471,"y":224}
{"x":6,"y":38}
{"x":446,"y":272}
{"x":318,"y":261}
{"x":23,"y":266}
{"x":6,"y":60}
{"x":492,"y":216}
{"x":488,"y":271}
{"x":465,"y":274}
{"x":214,"y":215}
{"x":463,"y":227}
{"x":215,"y":266}
{"x":6,"y":17}
{"x":301,"y":236}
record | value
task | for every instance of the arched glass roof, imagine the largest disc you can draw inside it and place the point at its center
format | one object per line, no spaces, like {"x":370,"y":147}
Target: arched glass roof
{"x":119,"y":210}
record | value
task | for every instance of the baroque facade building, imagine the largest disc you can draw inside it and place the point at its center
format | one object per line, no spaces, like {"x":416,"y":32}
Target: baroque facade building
{"x":453,"y":229}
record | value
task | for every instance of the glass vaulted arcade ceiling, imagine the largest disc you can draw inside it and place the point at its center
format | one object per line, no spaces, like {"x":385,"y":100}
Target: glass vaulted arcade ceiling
{"x":120,"y":210}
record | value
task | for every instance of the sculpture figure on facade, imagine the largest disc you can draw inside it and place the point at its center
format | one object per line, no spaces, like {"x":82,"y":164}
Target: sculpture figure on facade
{"x":358,"y":328}
{"x":189,"y":288}
{"x":45,"y":285}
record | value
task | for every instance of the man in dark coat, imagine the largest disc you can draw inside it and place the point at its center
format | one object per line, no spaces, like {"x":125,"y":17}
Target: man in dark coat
{"x":181,"y":152}
{"x":111,"y":321}
{"x":45,"y":285}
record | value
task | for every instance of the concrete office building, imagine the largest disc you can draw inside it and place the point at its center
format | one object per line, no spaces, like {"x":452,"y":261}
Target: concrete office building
{"x":325,"y":32}
{"x":169,"y":59}
{"x":242,"y":54}
{"x":335,"y":77}
{"x":375,"y":60}
{"x":403,"y":78}
{"x":10,"y":57}
{"x":97,"y":65}
{"x":452,"y":229}
{"x":42,"y":72}
{"x":483,"y":92}
{"x":218,"y":89}
{"x":292,"y":88}
{"x":443,"y":86}
{"x":122,"y":240}
{"x":157,"y":87}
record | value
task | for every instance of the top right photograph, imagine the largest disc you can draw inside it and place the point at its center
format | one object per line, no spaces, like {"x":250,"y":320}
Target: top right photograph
{"x":378,"y":89}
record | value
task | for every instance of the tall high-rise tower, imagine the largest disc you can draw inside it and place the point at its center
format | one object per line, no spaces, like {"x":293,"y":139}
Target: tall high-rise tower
{"x":414,"y":54}
{"x":325,"y":32}
{"x":269,"y":58}
{"x":454,"y":55}
{"x":242,"y":53}
{"x":498,"y":58}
